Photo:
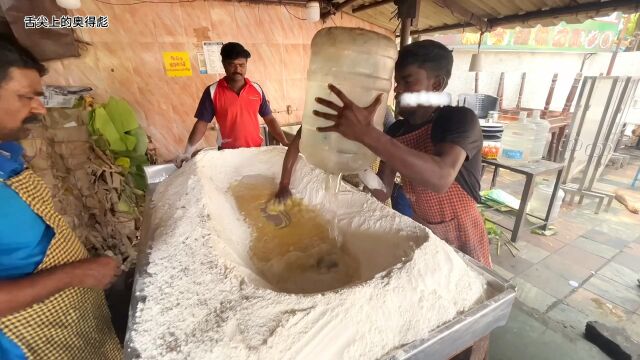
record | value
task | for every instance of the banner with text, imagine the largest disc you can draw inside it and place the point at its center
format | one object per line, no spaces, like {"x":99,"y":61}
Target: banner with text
{"x":590,"y":36}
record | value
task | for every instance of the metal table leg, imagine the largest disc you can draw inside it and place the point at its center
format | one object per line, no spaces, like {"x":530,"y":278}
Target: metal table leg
{"x":494,"y":178}
{"x":552,"y":200}
{"x":522,"y":210}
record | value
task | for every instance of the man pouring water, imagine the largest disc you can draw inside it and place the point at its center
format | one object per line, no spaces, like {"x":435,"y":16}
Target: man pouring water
{"x":436,"y":150}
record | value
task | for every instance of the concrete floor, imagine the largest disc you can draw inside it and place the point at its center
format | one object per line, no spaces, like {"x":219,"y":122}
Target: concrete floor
{"x":587,"y":271}
{"x":530,"y":337}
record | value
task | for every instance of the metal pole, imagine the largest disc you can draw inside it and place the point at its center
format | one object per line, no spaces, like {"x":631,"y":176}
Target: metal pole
{"x":582,"y":110}
{"x":610,"y":130}
{"x":588,"y":172}
{"x":405,"y":32}
{"x":615,"y":52}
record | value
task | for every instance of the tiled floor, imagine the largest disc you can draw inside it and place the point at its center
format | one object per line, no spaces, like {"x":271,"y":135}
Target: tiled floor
{"x":588,"y":270}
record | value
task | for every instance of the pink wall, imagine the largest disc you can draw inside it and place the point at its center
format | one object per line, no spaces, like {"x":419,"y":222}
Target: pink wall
{"x":125,"y":60}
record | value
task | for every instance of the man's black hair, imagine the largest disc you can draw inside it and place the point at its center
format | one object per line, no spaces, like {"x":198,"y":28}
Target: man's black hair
{"x":233,"y":51}
{"x":430,"y":55}
{"x":14,"y":55}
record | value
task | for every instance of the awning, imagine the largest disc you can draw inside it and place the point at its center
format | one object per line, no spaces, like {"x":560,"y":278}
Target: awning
{"x":474,"y":15}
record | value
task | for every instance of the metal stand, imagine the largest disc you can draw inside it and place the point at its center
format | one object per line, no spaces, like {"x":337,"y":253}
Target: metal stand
{"x":530,"y":172}
{"x":582,"y":172}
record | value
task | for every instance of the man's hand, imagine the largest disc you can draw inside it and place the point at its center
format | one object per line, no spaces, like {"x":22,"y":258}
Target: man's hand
{"x":95,"y":273}
{"x":19,"y":294}
{"x":351,"y":121}
{"x":185,"y":156}
{"x":181,"y":159}
{"x":283,"y":194}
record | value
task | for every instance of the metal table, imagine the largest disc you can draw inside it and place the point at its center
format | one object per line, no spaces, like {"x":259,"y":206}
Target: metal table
{"x":531,"y":172}
{"x":441,"y":343}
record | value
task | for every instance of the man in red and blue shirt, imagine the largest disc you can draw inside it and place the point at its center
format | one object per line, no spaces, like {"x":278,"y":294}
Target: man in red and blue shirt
{"x":235,"y":102}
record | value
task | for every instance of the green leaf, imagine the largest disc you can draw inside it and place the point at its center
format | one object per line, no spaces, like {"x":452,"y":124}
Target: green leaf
{"x":141,"y":141}
{"x":122,"y":115}
{"x":104,"y":127}
{"x":124,"y":206}
{"x":124,"y":163}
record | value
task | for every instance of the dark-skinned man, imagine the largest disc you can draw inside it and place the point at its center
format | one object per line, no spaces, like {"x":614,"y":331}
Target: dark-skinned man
{"x":236,"y":103}
{"x":435,"y":150}
{"x":52,"y":303}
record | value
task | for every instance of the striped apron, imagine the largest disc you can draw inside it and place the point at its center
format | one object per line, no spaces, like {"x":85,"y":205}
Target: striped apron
{"x":452,"y":216}
{"x":73,"y":324}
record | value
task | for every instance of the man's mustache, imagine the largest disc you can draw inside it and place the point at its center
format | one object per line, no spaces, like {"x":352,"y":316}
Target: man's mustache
{"x":32,"y":119}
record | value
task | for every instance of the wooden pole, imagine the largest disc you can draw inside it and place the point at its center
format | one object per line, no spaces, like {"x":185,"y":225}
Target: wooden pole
{"x":552,"y":88}
{"x":519,"y":103}
{"x":500,"y":93}
{"x":572,"y":94}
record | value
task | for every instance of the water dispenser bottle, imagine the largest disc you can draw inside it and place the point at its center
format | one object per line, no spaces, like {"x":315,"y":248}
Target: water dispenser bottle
{"x":518,"y":140}
{"x":359,"y":62}
{"x":542,"y":133}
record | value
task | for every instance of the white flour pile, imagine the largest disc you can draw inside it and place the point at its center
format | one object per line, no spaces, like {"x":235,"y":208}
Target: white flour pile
{"x":204,"y":300}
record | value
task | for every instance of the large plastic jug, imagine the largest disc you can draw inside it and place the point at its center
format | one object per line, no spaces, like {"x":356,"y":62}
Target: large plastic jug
{"x":518,"y":139}
{"x":540,"y":201}
{"x":359,"y":62}
{"x":542,"y":133}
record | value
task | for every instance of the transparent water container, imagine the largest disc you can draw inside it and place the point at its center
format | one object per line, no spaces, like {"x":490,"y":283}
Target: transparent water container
{"x":542,"y":134}
{"x":539,"y":202}
{"x":518,"y":141}
{"x":359,"y":62}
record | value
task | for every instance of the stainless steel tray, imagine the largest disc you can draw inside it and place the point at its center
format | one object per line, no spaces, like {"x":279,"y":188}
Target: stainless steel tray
{"x":461,"y":332}
{"x":441,"y":344}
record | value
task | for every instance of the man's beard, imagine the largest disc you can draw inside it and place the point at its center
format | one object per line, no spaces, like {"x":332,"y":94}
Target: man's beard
{"x":22,"y":132}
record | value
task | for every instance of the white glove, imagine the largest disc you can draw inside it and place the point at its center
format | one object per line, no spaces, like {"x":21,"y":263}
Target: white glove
{"x":371,"y":180}
{"x":185,"y":156}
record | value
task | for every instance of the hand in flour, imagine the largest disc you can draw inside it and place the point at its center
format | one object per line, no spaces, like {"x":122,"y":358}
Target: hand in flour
{"x":350,"y":120}
{"x":181,"y":159}
{"x":94,"y":273}
{"x":185,"y":156}
{"x":283,"y":194}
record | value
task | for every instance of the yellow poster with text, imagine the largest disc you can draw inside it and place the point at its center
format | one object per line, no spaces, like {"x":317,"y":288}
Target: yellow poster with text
{"x":177,"y":64}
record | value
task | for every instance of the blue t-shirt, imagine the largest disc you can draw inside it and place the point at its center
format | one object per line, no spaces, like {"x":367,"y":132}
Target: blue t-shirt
{"x":24,"y":236}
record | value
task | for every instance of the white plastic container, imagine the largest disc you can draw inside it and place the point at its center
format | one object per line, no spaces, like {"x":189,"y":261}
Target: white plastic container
{"x":539,"y":202}
{"x":542,"y":133}
{"x":359,"y":62}
{"x":518,"y":140}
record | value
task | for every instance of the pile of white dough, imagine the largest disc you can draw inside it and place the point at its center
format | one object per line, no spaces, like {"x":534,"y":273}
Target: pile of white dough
{"x":205,"y":301}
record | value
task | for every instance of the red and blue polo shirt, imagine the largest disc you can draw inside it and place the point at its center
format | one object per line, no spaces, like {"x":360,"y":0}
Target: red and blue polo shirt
{"x":236,"y":115}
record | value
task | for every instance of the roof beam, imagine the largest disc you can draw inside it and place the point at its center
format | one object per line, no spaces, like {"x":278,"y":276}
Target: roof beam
{"x":369,"y":6}
{"x":607,"y":6}
{"x":334,"y":10}
{"x":441,"y":28}
{"x":462,"y":12}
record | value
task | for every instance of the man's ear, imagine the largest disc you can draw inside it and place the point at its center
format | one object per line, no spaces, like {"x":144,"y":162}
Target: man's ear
{"x":440,"y":83}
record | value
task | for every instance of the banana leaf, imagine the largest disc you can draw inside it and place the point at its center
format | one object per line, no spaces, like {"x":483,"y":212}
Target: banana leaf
{"x":121,"y":114}
{"x":104,"y":127}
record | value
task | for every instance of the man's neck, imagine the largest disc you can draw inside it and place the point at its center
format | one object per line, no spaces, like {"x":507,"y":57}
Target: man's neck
{"x":235,"y":85}
{"x":421,"y":116}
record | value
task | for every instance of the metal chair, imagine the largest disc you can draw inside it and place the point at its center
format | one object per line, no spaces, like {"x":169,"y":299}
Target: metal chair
{"x":481,"y":104}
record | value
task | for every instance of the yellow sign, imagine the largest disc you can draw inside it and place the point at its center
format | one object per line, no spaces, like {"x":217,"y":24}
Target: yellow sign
{"x":177,"y":64}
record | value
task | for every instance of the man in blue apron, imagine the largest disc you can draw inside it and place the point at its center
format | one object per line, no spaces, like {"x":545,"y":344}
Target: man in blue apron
{"x":51,"y":301}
